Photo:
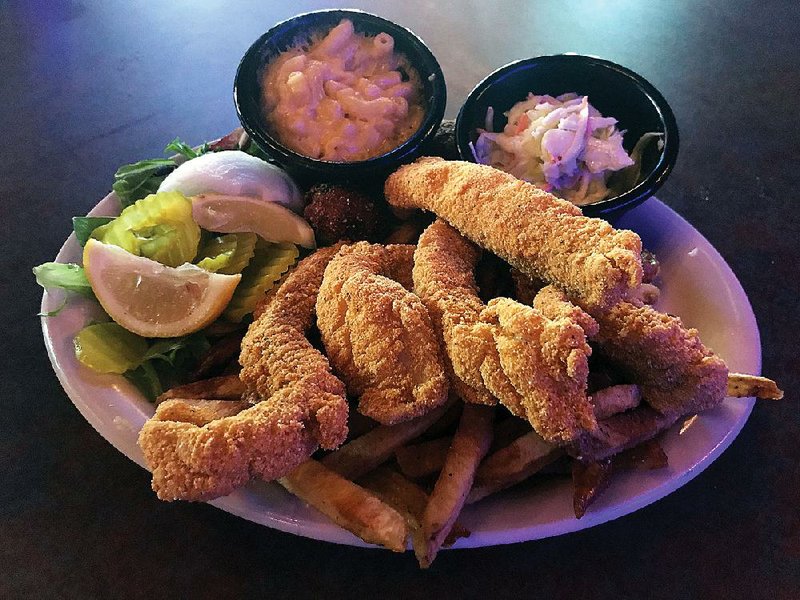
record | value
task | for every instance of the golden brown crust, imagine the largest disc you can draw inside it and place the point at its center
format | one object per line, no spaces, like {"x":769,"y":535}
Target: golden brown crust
{"x":299,"y":404}
{"x":547,"y":361}
{"x":544,"y":237}
{"x":444,"y":264}
{"x":678,"y":374}
{"x":378,"y":335}
{"x":536,"y":364}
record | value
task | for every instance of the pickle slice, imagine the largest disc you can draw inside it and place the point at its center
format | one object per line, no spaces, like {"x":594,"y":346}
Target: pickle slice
{"x":109,"y":348}
{"x":266,"y":267}
{"x":227,"y":254}
{"x":159,"y":227}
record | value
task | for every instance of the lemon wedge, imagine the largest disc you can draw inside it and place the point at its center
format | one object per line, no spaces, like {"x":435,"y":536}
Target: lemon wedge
{"x":240,"y":214}
{"x":151,"y":299}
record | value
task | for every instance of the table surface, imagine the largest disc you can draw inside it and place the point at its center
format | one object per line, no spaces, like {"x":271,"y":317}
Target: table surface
{"x":87,"y":86}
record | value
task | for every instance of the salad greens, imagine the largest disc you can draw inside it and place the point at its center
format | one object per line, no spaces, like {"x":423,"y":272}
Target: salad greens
{"x":149,"y":364}
{"x":65,"y":276}
{"x":180,"y":147}
{"x":134,"y":182}
{"x":160,"y":226}
{"x":166,"y":363}
{"x":84,"y":226}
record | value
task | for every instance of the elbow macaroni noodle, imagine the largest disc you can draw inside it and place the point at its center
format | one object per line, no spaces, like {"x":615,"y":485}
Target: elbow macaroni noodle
{"x":343,"y":97}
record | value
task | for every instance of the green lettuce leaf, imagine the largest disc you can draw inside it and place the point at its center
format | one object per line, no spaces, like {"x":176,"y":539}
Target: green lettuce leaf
{"x":69,"y":277}
{"x":146,"y":380}
{"x":84,"y":226}
{"x":178,"y":146}
{"x":134,"y":182}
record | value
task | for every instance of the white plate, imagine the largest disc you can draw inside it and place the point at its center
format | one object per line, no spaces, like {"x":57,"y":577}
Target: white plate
{"x":697,"y":285}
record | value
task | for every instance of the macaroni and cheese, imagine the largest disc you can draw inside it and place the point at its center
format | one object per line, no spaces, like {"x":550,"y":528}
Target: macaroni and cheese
{"x":343,"y":97}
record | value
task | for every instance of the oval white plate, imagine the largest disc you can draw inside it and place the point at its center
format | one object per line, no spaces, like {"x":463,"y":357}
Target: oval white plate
{"x":697,"y":285}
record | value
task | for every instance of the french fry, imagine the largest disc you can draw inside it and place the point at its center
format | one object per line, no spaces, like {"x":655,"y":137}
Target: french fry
{"x":358,"y":424}
{"x":409,"y":500}
{"x":361,"y":455}
{"x":508,"y":466}
{"x":742,"y":386}
{"x":470,"y":444}
{"x":446,"y":425}
{"x":348,"y":505}
{"x":622,"y":431}
{"x":615,"y":399}
{"x":590,"y":479}
{"x":423,"y":459}
{"x":199,"y":412}
{"x":644,"y":457}
{"x":226,"y":387}
{"x":508,"y":430}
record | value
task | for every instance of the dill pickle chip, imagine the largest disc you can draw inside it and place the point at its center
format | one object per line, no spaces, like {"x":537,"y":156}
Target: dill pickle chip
{"x":266,"y":267}
{"x":227,"y":254}
{"x":159,"y":227}
{"x":109,"y":348}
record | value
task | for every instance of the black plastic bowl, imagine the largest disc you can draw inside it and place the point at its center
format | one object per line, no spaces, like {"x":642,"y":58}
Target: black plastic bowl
{"x":287,"y":34}
{"x":612,"y":89}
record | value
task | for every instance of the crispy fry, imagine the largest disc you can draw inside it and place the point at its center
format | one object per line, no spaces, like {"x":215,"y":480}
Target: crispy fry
{"x":590,"y":479}
{"x":378,"y":335}
{"x":409,"y":500}
{"x":620,"y":432}
{"x":348,"y":505}
{"x":512,"y":464}
{"x":508,"y":430}
{"x":677,"y":373}
{"x":425,"y":458}
{"x":533,"y":360}
{"x":647,"y":456}
{"x":361,"y":455}
{"x":226,"y":387}
{"x":470,"y":444}
{"x":200,"y":411}
{"x":742,"y":386}
{"x":615,"y":399}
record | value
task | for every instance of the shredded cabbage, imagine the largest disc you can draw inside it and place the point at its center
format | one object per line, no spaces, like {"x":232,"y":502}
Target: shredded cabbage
{"x":563,"y":145}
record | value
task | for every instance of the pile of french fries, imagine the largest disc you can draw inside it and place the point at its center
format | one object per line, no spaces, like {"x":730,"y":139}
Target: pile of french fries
{"x":409,"y":482}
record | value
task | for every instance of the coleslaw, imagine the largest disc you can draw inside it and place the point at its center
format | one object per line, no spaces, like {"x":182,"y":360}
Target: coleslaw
{"x":561,"y":144}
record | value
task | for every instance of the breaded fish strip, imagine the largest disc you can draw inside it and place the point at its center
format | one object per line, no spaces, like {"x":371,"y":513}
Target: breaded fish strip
{"x":444,"y":279}
{"x":535,"y":362}
{"x":200,"y":452}
{"x":547,"y":361}
{"x":378,"y":335}
{"x":541,"y":235}
{"x":678,"y":374}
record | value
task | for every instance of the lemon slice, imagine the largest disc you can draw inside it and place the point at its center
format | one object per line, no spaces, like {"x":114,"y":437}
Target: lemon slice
{"x":151,"y":299}
{"x":239,"y":214}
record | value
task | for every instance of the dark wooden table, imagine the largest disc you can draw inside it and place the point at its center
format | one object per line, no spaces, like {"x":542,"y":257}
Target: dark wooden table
{"x":87,"y":86}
